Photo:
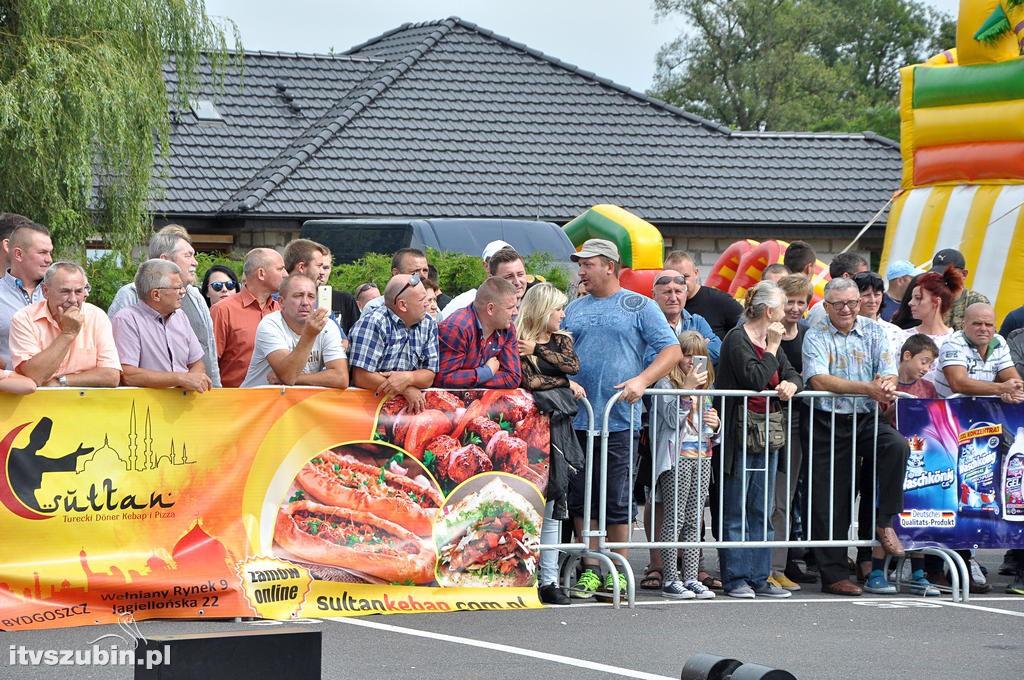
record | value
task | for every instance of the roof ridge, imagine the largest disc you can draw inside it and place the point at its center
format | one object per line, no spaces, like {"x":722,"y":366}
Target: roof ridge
{"x":296,"y":153}
{"x":796,"y":134}
{"x":590,"y":75}
{"x":339,"y":56}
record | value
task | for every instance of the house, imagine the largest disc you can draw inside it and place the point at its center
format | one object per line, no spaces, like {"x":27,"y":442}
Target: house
{"x":447,"y":119}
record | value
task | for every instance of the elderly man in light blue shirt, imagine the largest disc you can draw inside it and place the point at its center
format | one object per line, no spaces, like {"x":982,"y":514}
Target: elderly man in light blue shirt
{"x":850,"y":355}
{"x":173,"y":243}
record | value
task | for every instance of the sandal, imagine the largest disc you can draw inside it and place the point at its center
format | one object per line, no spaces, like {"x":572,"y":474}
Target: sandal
{"x":651,"y":579}
{"x":709,"y":581}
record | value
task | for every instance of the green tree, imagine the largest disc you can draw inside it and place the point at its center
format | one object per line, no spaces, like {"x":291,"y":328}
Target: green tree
{"x":83,"y":108}
{"x":797,"y":64}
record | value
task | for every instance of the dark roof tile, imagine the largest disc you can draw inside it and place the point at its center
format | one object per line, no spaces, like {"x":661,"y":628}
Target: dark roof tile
{"x":446,"y":119}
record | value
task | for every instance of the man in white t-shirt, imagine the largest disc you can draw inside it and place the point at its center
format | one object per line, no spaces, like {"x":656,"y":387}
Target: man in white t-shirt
{"x":977,"y":360}
{"x":298,"y":345}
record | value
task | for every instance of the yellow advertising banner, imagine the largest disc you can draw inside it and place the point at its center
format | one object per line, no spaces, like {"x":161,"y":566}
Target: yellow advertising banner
{"x":272,"y":503}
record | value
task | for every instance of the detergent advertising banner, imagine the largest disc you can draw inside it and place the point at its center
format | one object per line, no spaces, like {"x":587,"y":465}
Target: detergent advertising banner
{"x":963,"y":483}
{"x":270,"y":503}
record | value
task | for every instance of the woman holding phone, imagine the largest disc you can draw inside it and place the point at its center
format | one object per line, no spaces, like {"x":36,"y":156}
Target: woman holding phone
{"x":751,"y":360}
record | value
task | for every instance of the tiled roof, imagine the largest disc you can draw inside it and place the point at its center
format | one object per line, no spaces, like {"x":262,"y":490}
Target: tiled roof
{"x":446,"y":119}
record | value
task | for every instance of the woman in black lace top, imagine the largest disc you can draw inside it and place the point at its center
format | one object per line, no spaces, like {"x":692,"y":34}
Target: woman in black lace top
{"x":547,"y":360}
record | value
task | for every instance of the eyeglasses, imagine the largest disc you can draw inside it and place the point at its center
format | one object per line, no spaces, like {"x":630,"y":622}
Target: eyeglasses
{"x":223,"y":285}
{"x":665,"y":280}
{"x":868,"y":280}
{"x":77,"y":292}
{"x":849,"y":304}
{"x":365,"y":287}
{"x":414,"y":281}
{"x":181,"y":289}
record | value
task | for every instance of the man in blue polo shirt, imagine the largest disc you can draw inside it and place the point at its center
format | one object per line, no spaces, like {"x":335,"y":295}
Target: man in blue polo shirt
{"x":612,"y":329}
{"x":31,"y":253}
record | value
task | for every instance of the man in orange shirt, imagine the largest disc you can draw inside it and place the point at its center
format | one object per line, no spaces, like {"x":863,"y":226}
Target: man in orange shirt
{"x":235,"y":318}
{"x":63,"y":340}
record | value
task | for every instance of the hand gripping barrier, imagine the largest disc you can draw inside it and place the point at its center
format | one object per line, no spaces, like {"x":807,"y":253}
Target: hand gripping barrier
{"x":839,"y":511}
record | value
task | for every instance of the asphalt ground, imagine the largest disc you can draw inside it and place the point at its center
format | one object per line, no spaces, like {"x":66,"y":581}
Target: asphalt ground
{"x":813,"y":636}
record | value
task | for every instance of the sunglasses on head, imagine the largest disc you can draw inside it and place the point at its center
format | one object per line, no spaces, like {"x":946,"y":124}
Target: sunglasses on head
{"x":665,"y":280}
{"x":414,"y":281}
{"x":365,"y":287}
{"x":223,"y":285}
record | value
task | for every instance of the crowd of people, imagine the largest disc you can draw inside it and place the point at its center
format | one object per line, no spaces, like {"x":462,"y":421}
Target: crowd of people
{"x":922,"y":334}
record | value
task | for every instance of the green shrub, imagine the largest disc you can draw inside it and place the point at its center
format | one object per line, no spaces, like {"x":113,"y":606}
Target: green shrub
{"x":205,"y":260}
{"x":106,"y":275}
{"x":457,"y":272}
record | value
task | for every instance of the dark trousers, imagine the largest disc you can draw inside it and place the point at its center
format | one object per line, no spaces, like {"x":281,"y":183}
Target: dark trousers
{"x":832,"y":486}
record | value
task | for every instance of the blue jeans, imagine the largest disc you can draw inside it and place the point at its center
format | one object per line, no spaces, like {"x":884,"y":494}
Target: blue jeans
{"x":748,"y":565}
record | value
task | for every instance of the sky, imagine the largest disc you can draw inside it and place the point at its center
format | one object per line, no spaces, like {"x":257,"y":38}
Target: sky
{"x":616,"y":39}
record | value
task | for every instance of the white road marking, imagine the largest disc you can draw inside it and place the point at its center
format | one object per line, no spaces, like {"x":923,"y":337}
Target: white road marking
{"x":533,"y":654}
{"x":991,"y":610}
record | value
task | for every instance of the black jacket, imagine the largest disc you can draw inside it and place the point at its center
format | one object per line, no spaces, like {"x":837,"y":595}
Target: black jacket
{"x":739,"y":368}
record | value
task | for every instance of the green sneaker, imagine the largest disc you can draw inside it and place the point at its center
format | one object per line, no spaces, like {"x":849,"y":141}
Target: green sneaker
{"x":587,"y":584}
{"x":1017,"y":586}
{"x":606,"y":592}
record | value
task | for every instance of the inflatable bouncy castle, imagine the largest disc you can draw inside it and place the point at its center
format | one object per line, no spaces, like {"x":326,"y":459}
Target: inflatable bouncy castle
{"x":962,"y":141}
{"x":741,"y":265}
{"x":640,"y":245}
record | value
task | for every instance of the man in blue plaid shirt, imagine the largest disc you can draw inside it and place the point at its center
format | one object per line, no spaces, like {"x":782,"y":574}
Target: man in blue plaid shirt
{"x":393,"y":348}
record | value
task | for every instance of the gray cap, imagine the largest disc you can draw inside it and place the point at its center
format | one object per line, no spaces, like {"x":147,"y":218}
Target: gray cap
{"x":594,"y":247}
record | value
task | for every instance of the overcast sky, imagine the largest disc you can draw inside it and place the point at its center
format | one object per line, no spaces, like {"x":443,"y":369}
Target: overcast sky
{"x":616,"y":39}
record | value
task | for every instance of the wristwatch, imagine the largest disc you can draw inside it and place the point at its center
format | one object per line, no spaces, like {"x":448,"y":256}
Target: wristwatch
{"x":62,"y":380}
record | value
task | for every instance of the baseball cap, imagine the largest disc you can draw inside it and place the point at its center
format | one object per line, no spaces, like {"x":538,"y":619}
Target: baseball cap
{"x":946,"y":257}
{"x":898,"y":268}
{"x":494,"y":246}
{"x":594,"y":247}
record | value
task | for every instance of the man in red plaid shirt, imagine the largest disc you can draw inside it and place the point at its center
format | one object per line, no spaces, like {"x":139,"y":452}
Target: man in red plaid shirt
{"x":477,"y":344}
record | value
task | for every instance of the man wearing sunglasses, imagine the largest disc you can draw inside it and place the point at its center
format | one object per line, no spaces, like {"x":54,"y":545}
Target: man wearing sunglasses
{"x":173,"y":243}
{"x":393,"y":347}
{"x":366,"y":292}
{"x":850,"y":355}
{"x":155,"y":342}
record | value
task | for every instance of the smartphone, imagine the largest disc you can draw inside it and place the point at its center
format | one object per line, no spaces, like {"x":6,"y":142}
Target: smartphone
{"x":323,"y":297}
{"x":700,"y":363}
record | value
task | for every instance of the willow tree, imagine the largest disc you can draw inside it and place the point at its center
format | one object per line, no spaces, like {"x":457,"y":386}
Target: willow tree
{"x":84,"y":111}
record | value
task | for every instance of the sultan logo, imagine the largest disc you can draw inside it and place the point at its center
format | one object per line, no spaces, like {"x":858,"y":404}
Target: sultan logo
{"x":39,"y":477}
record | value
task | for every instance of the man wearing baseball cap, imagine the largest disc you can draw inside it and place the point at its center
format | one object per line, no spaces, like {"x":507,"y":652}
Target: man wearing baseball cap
{"x":612,"y":329}
{"x":899,"y":273}
{"x":950,"y":257}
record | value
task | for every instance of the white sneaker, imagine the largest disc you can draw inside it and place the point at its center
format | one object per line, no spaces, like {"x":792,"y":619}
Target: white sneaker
{"x":976,"y":573}
{"x":699,"y":590}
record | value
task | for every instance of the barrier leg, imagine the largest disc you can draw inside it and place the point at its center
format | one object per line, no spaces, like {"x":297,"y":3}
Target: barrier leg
{"x":630,"y":585}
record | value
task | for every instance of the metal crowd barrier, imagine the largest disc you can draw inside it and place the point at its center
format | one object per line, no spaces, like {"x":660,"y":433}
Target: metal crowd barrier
{"x":606,"y":549}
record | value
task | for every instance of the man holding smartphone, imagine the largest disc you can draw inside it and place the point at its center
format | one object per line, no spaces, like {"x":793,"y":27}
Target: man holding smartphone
{"x":298,"y":345}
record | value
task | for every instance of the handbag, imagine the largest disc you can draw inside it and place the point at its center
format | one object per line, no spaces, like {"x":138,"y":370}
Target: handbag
{"x":760,"y":429}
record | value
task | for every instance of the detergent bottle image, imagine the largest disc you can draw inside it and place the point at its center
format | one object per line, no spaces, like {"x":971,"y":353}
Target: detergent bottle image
{"x":1013,"y":476}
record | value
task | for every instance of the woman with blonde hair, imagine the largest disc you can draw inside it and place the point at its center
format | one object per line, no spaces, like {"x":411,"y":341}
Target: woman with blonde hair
{"x":547,"y":360}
